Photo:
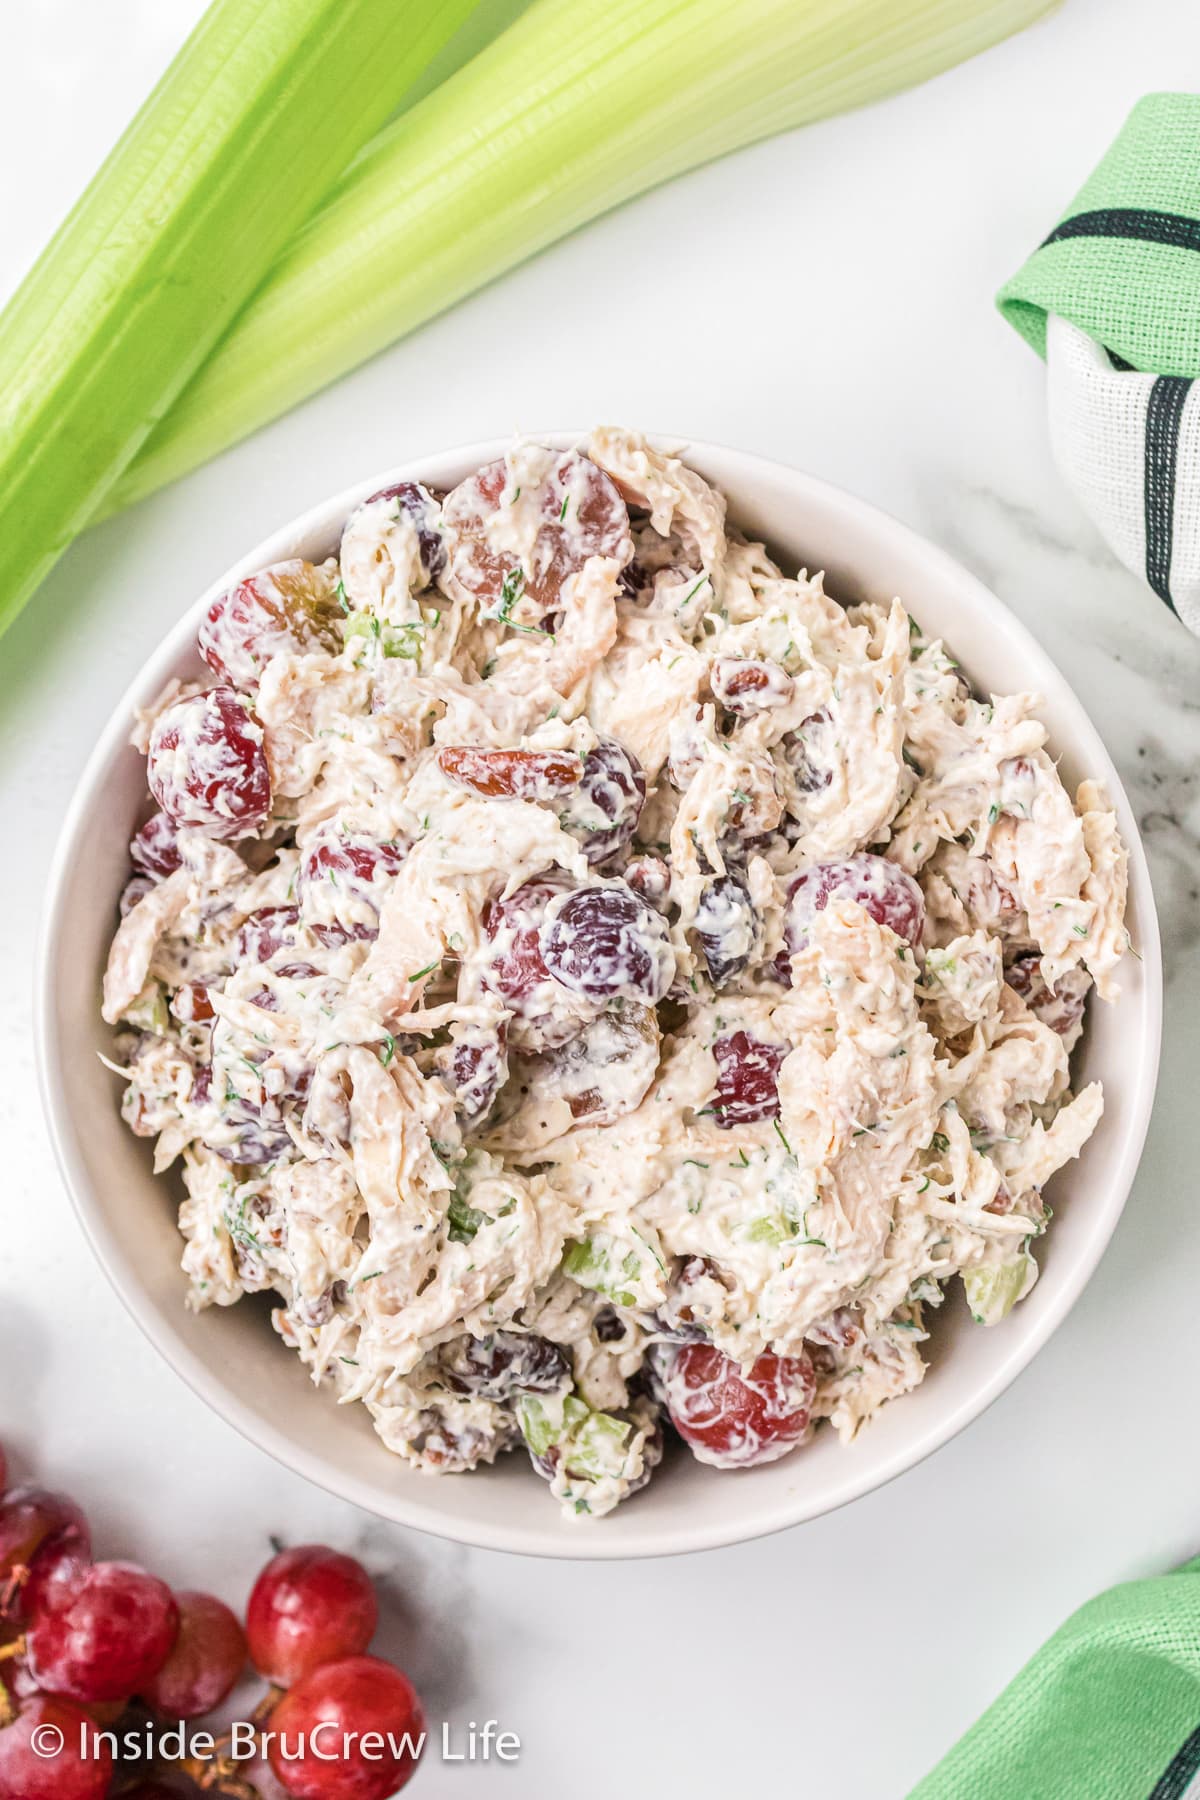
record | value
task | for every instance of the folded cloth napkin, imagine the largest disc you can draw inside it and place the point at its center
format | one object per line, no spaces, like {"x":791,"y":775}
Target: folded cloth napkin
{"x":1111,"y":298}
{"x":1108,"y":1709}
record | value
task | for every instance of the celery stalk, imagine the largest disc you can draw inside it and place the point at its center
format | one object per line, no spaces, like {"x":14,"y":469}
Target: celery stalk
{"x":579,"y":105}
{"x":253,"y":123}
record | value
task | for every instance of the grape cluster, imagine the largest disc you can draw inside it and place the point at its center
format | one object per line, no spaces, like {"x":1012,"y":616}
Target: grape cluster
{"x":86,"y":1646}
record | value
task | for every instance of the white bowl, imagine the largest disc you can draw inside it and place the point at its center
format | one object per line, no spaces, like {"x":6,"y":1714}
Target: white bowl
{"x":233,"y":1358}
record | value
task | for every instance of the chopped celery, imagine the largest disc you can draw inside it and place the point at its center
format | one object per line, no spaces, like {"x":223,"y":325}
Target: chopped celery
{"x":252,"y":124}
{"x":391,"y":640}
{"x":575,"y":108}
{"x":770,"y":1229}
{"x":597,"y":1447}
{"x":602,"y":1263}
{"x":593,"y":1443}
{"x":544,"y":1422}
{"x":612,"y":1267}
{"x":149,"y":1011}
{"x":363,"y":625}
{"x":993,"y":1289}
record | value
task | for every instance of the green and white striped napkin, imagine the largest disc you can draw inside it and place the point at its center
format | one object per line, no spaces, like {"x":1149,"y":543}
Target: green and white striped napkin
{"x":1111,"y":299}
{"x":1108,"y":1709}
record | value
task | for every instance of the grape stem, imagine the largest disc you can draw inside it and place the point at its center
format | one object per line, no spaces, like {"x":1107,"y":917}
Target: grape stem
{"x":221,"y":1773}
{"x":18,"y":1576}
{"x":267,"y":1704}
{"x":218,"y":1776}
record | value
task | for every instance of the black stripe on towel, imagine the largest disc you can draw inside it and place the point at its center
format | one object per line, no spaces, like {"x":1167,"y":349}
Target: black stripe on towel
{"x":1163,"y":412}
{"x":1173,"y":229}
{"x":1175,"y":1779}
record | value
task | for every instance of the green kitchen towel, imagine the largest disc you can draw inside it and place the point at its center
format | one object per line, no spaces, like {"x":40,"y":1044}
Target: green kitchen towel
{"x":1108,"y":1709}
{"x":1123,"y":262}
{"x":1111,"y":299}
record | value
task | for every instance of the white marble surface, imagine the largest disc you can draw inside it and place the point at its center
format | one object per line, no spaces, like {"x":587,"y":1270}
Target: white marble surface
{"x":835,"y":311}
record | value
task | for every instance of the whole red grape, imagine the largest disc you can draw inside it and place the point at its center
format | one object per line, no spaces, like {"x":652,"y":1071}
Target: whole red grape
{"x":56,"y":1573}
{"x":606,"y":943}
{"x":155,"y":848}
{"x":33,"y":1519}
{"x":289,"y":609}
{"x":341,"y":1703}
{"x":105,"y":1637}
{"x":581,"y":515}
{"x":726,"y":927}
{"x":883,"y":889}
{"x":208,"y":1655}
{"x":421,"y":507}
{"x":68,"y":1764}
{"x":477,"y":1068}
{"x":206,"y":765}
{"x":605,"y":810}
{"x":266,"y":931}
{"x":1061,"y":1006}
{"x":747,"y":1079}
{"x":516,"y":969}
{"x":734,"y":1418}
{"x":310,"y":1605}
{"x":342,"y":884}
{"x":3,"y":1470}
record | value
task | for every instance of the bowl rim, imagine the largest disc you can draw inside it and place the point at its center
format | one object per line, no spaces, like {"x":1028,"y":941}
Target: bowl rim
{"x":425,"y":1515}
